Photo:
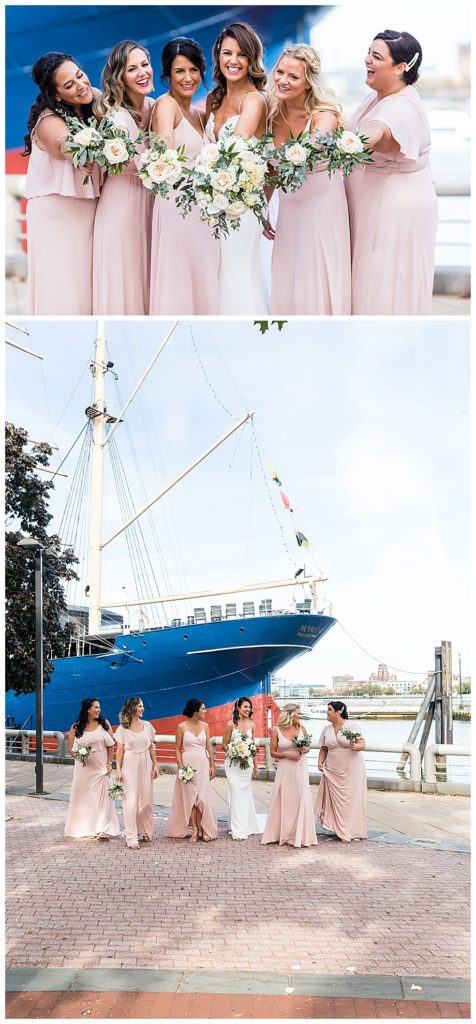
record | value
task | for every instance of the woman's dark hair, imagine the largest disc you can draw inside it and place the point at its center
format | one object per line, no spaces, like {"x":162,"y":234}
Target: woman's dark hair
{"x":181,"y":46}
{"x":82,"y":722}
{"x":237,"y":706}
{"x":192,"y":705}
{"x":43,"y":73}
{"x":403,"y":47}
{"x":339,"y":706}
{"x":250,"y":44}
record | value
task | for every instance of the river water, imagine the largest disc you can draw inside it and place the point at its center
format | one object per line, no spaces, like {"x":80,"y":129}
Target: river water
{"x":393,"y":732}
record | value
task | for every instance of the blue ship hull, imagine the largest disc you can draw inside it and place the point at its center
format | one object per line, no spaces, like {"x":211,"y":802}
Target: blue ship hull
{"x":216,"y":661}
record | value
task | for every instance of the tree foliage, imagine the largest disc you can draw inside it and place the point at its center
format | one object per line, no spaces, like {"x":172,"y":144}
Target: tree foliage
{"x":26,"y":507}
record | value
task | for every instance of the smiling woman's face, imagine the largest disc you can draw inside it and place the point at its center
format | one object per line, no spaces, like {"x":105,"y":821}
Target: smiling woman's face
{"x":72,"y":85}
{"x":234,"y":64}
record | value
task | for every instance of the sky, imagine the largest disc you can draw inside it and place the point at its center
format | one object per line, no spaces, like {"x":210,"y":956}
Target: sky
{"x":367,"y":426}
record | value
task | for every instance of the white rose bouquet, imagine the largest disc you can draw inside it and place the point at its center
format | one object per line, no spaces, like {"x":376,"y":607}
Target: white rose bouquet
{"x":186,"y":773}
{"x":301,"y":155}
{"x":226,"y":181}
{"x":350,"y":736}
{"x":101,"y":142}
{"x":241,"y":750}
{"x":83,"y":752}
{"x":161,"y":169}
{"x":301,"y":742}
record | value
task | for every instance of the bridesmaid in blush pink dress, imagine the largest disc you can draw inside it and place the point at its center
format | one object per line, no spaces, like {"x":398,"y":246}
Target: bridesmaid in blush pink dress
{"x":136,"y":762}
{"x":342,"y":794}
{"x":90,"y":811}
{"x":122,"y":230}
{"x":185,"y":255}
{"x":392,"y":202}
{"x":311,"y":256}
{"x":290,"y":817}
{"x":192,"y":802}
{"x":60,"y":209}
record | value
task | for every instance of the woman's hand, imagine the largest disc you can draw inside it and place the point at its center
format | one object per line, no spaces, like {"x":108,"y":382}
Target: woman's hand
{"x":109,"y":767}
{"x":269,"y":232}
{"x":293,"y":755}
{"x":155,"y":771}
{"x":212,"y":771}
{"x":254,"y":774}
{"x":358,"y":744}
{"x":118,"y":775}
{"x":320,"y":767}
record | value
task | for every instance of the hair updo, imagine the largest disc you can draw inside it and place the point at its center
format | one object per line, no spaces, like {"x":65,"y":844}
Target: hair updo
{"x":182,"y":46}
{"x":192,"y":706}
{"x":43,"y":74}
{"x":403,"y":48}
{"x":338,"y":706}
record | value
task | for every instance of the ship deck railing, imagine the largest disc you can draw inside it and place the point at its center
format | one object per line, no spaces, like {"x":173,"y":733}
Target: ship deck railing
{"x":443,"y":769}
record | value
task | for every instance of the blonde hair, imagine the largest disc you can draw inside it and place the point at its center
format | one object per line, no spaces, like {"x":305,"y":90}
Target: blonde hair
{"x":286,"y":716}
{"x":127,"y":711}
{"x":113,"y":94}
{"x":318,"y":97}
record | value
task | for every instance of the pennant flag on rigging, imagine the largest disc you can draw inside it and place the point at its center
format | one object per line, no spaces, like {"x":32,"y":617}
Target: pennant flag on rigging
{"x":302,"y":540}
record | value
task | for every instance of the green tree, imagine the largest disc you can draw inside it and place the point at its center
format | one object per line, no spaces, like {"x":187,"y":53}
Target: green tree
{"x":26,"y":507}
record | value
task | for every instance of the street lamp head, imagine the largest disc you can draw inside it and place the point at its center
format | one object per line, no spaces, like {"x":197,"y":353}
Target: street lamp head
{"x":28,"y":541}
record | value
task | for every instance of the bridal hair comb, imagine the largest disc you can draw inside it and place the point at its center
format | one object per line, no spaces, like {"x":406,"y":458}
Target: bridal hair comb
{"x":412,"y":61}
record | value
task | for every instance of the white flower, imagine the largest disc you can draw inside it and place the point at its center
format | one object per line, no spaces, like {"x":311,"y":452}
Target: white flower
{"x":236,"y":209}
{"x":147,"y":182}
{"x":85,"y":137}
{"x":115,"y":151}
{"x":202,"y":201}
{"x":251,"y":199}
{"x":209,"y":154}
{"x":234,"y":142}
{"x":220,"y":201}
{"x":349,"y":142}
{"x":145,"y":157}
{"x":223,"y":180}
{"x":159,"y":171}
{"x":82,"y":751}
{"x":296,"y":153}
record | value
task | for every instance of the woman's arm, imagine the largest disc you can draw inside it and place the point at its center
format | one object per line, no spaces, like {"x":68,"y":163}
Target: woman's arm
{"x":210,"y":753}
{"x":324,"y":121}
{"x":71,"y":739}
{"x":251,"y":116}
{"x":153,"y":756}
{"x":179,"y":745}
{"x":380,"y":138}
{"x":51,"y":133}
{"x":358,"y":744}
{"x":255,"y":759}
{"x":227,"y":735}
{"x":322,"y":757}
{"x":119,"y":756}
{"x":163,"y":119}
{"x":291,"y":755}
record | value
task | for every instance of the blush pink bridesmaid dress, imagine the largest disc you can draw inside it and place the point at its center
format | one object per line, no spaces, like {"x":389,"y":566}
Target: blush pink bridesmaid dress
{"x":185,"y":255}
{"x":291,"y":817}
{"x":393,"y":213}
{"x":122,"y":234}
{"x":342,"y":795}
{"x":60,"y":219}
{"x":90,"y":810}
{"x":137,"y":782}
{"x":188,"y":794}
{"x":310,"y":273}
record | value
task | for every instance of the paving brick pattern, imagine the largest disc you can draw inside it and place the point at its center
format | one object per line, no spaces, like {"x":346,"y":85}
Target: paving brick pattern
{"x":377,"y":908}
{"x":142,"y":1005}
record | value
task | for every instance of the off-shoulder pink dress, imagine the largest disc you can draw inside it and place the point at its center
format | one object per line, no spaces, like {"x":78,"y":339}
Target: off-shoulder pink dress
{"x":291,"y":815}
{"x":122,"y":233}
{"x":185,"y":255}
{"x":197,"y":793}
{"x":90,"y":810}
{"x":393,"y":212}
{"x":310,"y":273}
{"x":342,"y":795}
{"x":137,"y":782}
{"x":60,"y":219}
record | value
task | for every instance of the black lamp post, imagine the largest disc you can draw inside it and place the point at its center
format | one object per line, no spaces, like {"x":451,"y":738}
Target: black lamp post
{"x":32,"y":544}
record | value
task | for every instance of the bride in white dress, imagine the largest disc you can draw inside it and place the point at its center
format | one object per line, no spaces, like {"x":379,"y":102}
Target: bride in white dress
{"x":238,"y":100}
{"x":243,"y":820}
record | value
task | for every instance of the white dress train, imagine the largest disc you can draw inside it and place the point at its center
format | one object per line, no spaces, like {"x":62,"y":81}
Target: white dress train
{"x":243,"y":819}
{"x":241,"y":279}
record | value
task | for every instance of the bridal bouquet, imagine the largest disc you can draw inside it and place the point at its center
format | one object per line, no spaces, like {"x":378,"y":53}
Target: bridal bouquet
{"x":101,"y":142}
{"x":301,"y":155}
{"x":226,"y":181}
{"x":351,"y":736}
{"x":160,"y":167}
{"x":186,"y":774}
{"x":115,"y":792}
{"x":83,"y":752}
{"x":302,"y":741}
{"x":241,"y":750}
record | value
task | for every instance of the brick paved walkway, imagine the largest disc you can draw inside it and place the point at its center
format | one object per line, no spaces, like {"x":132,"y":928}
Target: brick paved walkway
{"x":376,"y":908}
{"x":139,"y":1005}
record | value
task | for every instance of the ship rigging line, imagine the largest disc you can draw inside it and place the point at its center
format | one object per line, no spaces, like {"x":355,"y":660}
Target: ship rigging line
{"x":63,"y":460}
{"x":380,"y":661}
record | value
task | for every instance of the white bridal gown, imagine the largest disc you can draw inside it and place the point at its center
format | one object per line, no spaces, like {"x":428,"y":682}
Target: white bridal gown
{"x":241,"y":281}
{"x":243,"y":820}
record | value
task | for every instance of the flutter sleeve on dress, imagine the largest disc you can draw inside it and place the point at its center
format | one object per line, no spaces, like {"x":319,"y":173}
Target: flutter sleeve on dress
{"x":109,"y":740}
{"x":404,"y":122}
{"x":151,"y":731}
{"x":119,"y":735}
{"x":322,"y":738}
